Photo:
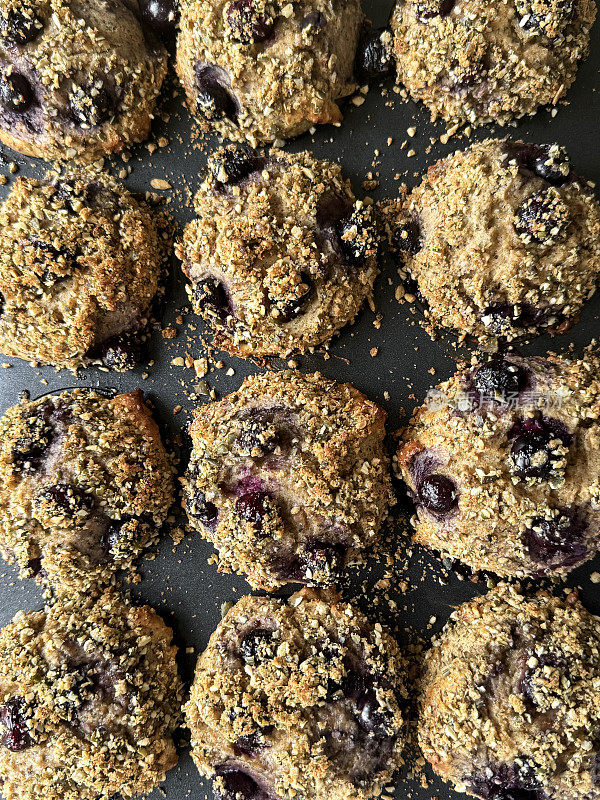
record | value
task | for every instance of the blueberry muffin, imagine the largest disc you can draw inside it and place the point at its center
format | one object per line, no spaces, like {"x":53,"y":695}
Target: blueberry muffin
{"x":281,"y":256}
{"x":477,"y":61}
{"x":78,"y":78}
{"x":501,"y":240}
{"x":288,"y":478}
{"x":85,"y":484}
{"x":262,"y":70}
{"x":89,"y":701}
{"x":510,"y":699}
{"x":80,"y":263}
{"x":298,"y":698}
{"x":503,"y":462}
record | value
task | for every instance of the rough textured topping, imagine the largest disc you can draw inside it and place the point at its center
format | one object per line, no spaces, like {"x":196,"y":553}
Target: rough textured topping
{"x":288,"y":478}
{"x":89,"y":701}
{"x":298,"y":698}
{"x":477,"y":61}
{"x":510,"y":701}
{"x":78,"y":79}
{"x":80,"y":262}
{"x":85,"y":484}
{"x":282,"y":255}
{"x":503,"y":462}
{"x":263,"y":70}
{"x":502,"y":240}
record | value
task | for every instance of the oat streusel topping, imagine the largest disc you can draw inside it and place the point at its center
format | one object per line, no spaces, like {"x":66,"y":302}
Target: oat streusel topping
{"x":288,"y":477}
{"x":89,"y":700}
{"x":85,"y":484}
{"x":298,"y":699}
{"x":510,"y":698}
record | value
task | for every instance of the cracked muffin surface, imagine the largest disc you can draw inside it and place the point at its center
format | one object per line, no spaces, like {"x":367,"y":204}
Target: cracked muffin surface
{"x":265,"y":70}
{"x":85,"y":484}
{"x":78,"y":78}
{"x":476,"y":61}
{"x":501,"y":240}
{"x":503,"y":463}
{"x":288,"y":478}
{"x":80,"y":264}
{"x":89,"y":700}
{"x":509,"y":703}
{"x":298,"y":699}
{"x":281,"y":256}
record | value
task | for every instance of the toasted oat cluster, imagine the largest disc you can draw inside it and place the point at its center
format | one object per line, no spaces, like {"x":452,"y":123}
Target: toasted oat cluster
{"x":501,"y":240}
{"x":510,"y":698}
{"x":85,"y":484}
{"x":478,"y":61}
{"x":78,"y":78}
{"x":89,"y":700}
{"x":503,"y":463}
{"x":262,"y":70}
{"x":298,"y":699}
{"x":80,"y":263}
{"x":282,"y":255}
{"x":288,"y":478}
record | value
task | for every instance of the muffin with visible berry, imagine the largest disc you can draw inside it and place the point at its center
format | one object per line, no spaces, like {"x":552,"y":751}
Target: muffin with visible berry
{"x":262,"y":70}
{"x":281,"y":256}
{"x":501,"y":240}
{"x":476,"y":61}
{"x":78,"y":80}
{"x":503,"y":463}
{"x":298,"y":698}
{"x":510,"y":698}
{"x":89,"y":701}
{"x":85,"y":484}
{"x":80,"y":264}
{"x":288,"y":477}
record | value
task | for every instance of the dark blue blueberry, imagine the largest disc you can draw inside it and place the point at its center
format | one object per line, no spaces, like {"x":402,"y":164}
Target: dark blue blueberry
{"x":506,"y":782}
{"x":160,"y":16}
{"x":375,"y":55}
{"x":320,"y":559}
{"x":15,"y":735}
{"x":234,"y":163}
{"x":253,"y":505}
{"x":503,"y":319}
{"x":214,"y":101}
{"x":72,"y":194}
{"x":46,"y":252}
{"x":16,"y":93}
{"x":533,"y":455}
{"x":69,"y":499}
{"x":548,"y":161}
{"x":2,"y":303}
{"x":465,"y":78}
{"x":290,"y":309}
{"x":438,"y":494}
{"x":314,"y":20}
{"x":203,"y":510}
{"x":120,"y":352}
{"x":358,"y":238}
{"x":428,"y":9}
{"x":370,"y":715}
{"x":251,"y":743}
{"x":91,"y":104}
{"x":257,"y":645}
{"x":210,"y":294}
{"x":21,"y":25}
{"x":248,"y":23}
{"x":331,"y":208}
{"x":557,"y":542}
{"x":541,"y":218}
{"x":29,"y":450}
{"x":498,"y":380}
{"x":527,"y":684}
{"x":258,"y":434}
{"x":548,"y":19}
{"x":407,"y":237}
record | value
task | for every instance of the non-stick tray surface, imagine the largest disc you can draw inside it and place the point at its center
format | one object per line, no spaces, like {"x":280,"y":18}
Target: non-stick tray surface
{"x":394,"y":362}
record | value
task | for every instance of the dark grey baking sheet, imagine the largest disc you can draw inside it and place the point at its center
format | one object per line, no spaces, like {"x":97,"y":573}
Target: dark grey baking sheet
{"x":179,"y":582}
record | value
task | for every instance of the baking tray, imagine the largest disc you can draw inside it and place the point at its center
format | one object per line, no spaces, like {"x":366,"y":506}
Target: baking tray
{"x":387,"y":355}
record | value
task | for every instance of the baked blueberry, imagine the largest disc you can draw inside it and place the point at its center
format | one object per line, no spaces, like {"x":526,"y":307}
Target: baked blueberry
{"x":281,"y":256}
{"x":288,"y":478}
{"x":261,"y":72}
{"x":78,"y":81}
{"x":161,"y":16}
{"x":474,"y":62}
{"x":374,"y":57}
{"x":501,"y":465}
{"x":85,"y":485}
{"x":294,"y":681}
{"x":499,"y":268}
{"x":78,"y":286}
{"x":98,"y":699}
{"x":509,"y":697}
